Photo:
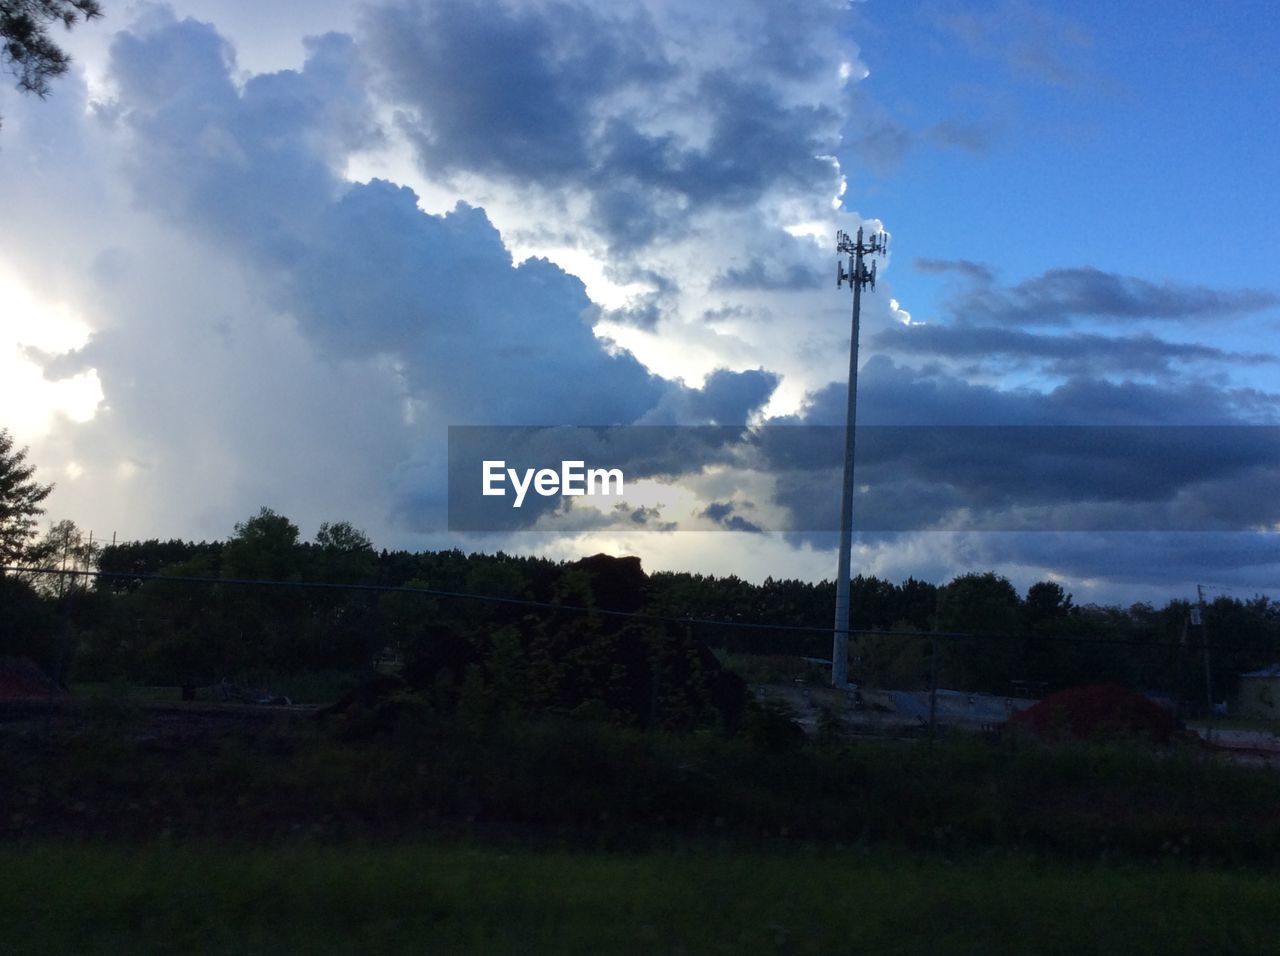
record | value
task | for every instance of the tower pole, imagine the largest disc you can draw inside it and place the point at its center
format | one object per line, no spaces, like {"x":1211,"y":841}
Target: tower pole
{"x":857,"y":277}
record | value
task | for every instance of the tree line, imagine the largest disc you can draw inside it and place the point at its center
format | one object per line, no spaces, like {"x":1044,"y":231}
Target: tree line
{"x":125,"y":626}
{"x":128,"y":627}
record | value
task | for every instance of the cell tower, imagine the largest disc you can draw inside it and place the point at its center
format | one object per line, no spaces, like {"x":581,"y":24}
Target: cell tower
{"x":857,"y":276}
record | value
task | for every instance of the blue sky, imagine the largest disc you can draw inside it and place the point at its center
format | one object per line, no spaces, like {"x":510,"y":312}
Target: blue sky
{"x":1137,"y":137}
{"x":257,"y":258}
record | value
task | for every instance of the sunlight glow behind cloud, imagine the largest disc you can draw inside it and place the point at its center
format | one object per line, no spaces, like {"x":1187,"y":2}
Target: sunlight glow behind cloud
{"x":28,"y":324}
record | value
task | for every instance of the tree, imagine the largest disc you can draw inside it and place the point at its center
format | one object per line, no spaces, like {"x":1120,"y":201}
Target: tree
{"x":20,"y":498}
{"x":264,"y":548}
{"x":343,"y":536}
{"x":981,"y":604}
{"x":28,"y":51}
{"x":64,"y":547}
{"x":1046,"y":601}
{"x":343,"y":554}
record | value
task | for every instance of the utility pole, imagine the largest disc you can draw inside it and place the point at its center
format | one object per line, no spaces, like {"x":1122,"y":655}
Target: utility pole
{"x":857,"y":276}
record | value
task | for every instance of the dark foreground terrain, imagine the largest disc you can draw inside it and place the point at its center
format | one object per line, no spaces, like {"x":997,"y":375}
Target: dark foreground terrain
{"x":230,"y":828}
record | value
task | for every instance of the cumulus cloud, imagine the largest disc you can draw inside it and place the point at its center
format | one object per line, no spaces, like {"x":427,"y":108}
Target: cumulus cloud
{"x":515,"y":91}
{"x":612,"y":104}
{"x":427,"y":318}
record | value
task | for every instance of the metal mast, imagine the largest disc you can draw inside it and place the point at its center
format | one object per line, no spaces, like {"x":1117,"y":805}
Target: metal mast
{"x":857,"y":276}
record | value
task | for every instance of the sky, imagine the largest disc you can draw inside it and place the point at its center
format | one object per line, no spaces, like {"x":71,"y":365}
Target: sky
{"x":268,"y":255}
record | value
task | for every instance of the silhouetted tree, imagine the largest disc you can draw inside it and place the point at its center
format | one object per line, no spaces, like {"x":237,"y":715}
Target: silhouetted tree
{"x":985,"y":604}
{"x":25,"y":44}
{"x":28,"y":51}
{"x":344,"y":555}
{"x":264,"y":548}
{"x":20,"y":498}
{"x":63,"y":546}
{"x":1046,"y":600}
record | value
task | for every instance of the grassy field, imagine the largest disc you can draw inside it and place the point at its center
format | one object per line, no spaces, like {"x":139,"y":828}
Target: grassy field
{"x":109,"y":772}
{"x":159,"y":828}
{"x":159,"y":898}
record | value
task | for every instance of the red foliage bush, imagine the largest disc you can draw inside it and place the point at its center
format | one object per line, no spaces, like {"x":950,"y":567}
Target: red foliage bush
{"x":1097,"y":712}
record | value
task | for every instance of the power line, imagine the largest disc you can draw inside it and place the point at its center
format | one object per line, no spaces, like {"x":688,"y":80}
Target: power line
{"x":633,"y":615}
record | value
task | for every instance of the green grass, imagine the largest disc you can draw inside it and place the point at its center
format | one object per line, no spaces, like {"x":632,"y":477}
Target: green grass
{"x":119,"y":772}
{"x":158,"y":898}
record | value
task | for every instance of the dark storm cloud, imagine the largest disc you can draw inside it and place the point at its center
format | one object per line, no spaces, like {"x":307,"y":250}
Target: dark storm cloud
{"x":893,"y":394}
{"x":1076,"y":353}
{"x":729,"y":398}
{"x":1038,"y":478}
{"x":572,"y":98}
{"x":947,"y":478}
{"x":756,"y":141}
{"x":504,"y":90}
{"x":914,"y":477}
{"x":1046,"y":464}
{"x":1060,"y":296}
{"x":646,"y":184}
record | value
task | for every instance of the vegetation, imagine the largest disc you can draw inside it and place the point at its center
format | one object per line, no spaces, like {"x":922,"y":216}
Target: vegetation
{"x":530,"y":770}
{"x":20,"y":499}
{"x":401,"y":767}
{"x":448,"y":898}
{"x":26,"y":46}
{"x":267,"y":607}
{"x":126,"y":627}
